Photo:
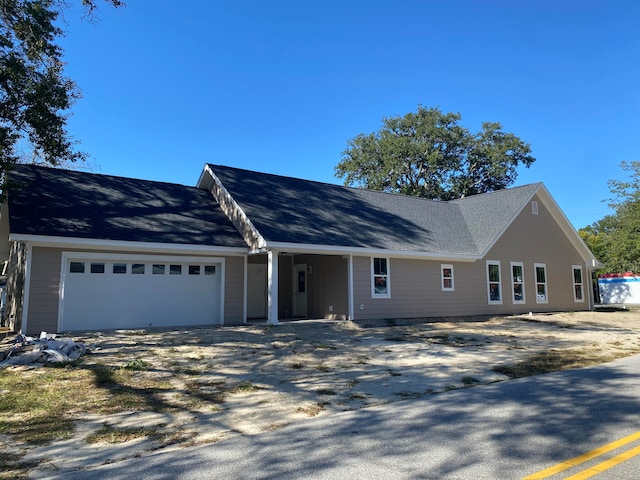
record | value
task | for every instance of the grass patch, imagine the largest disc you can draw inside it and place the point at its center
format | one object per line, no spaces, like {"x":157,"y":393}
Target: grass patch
{"x":326,"y":391}
{"x":554,"y":361}
{"x":244,"y":387}
{"x":37,"y":406}
{"x":468,"y":381}
{"x":137,"y":365}
{"x":357,"y":396}
{"x":312,"y":410}
{"x":296,"y":366}
{"x":110,"y":434}
{"x":13,"y":468}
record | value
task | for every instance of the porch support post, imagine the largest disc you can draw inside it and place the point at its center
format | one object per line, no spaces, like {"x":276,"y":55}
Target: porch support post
{"x":350,"y":287}
{"x":272,"y":288}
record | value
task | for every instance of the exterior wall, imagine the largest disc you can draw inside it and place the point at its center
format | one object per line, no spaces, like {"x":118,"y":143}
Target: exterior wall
{"x":15,"y":286}
{"x":416,"y":290}
{"x":44,"y":290}
{"x":45,"y":287}
{"x":234,"y":291}
{"x":327,"y":286}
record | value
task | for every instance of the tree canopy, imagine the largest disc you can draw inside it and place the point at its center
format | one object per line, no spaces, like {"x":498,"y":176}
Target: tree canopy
{"x":615,"y":239}
{"x":428,"y":153}
{"x":35,"y":94}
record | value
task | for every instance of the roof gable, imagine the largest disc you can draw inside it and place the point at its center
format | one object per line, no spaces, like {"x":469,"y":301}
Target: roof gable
{"x":63,"y":203}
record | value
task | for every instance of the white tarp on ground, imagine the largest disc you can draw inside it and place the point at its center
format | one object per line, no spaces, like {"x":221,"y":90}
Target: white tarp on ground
{"x":40,"y":351}
{"x":619,"y":288}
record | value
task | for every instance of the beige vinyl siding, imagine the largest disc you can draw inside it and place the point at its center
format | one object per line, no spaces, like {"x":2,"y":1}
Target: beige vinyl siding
{"x":538,"y":239}
{"x":44,"y":290}
{"x":234,"y":291}
{"x":416,"y":289}
{"x":45,"y":286}
{"x":327,"y":285}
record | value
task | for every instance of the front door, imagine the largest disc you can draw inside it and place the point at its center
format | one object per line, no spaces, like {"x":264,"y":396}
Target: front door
{"x":300,"y":290}
{"x":256,"y":291}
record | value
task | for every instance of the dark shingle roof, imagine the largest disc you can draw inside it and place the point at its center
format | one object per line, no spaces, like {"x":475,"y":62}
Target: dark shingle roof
{"x":65,"y":203}
{"x":488,"y":214}
{"x":292,"y":210}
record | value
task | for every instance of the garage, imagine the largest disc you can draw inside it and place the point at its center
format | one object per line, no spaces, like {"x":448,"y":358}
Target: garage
{"x":112,"y":291}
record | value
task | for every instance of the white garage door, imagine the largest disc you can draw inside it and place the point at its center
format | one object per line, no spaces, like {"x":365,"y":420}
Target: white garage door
{"x":112,"y":292}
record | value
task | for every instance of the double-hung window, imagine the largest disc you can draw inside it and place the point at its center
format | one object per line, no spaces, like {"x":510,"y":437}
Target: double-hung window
{"x":517,"y":282}
{"x":494,"y":284}
{"x":541,"y":282}
{"x":380,"y":278}
{"x":446,"y":275}
{"x":578,"y":286}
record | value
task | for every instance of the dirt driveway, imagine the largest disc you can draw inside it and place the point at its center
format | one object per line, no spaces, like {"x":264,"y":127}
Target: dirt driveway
{"x":246,"y":380}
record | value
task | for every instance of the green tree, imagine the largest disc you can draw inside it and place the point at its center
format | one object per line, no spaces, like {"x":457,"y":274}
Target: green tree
{"x":429,"y":154}
{"x":615,"y":239}
{"x":35,"y":94}
{"x":623,"y":241}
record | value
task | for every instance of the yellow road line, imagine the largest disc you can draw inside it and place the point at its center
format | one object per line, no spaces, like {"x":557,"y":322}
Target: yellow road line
{"x":567,"y":464}
{"x":606,"y":465}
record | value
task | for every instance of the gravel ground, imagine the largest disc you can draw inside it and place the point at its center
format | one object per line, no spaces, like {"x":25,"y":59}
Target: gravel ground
{"x":263,"y":378}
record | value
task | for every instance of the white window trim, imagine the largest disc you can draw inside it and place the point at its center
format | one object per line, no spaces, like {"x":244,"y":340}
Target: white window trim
{"x":443,"y":267}
{"x":573,"y":282}
{"x":536,"y":283}
{"x":521,"y":281}
{"x":373,"y":283}
{"x":494,"y":302}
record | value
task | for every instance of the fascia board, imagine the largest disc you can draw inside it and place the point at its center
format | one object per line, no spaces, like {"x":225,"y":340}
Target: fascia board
{"x":559,"y":217}
{"x":228,"y":202}
{"x":567,"y":227}
{"x":97,"y":244}
{"x":362,"y":251}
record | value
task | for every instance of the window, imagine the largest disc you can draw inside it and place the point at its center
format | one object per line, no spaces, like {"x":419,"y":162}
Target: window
{"x":380,"y":274}
{"x":494,"y":284}
{"x":534,"y":207}
{"x":446,"y":272}
{"x":158,"y":269}
{"x":175,"y":269}
{"x":517,"y":282}
{"x":119,"y":268}
{"x":137,"y":269}
{"x":194,"y":269}
{"x":76,"y":267}
{"x":578,"y":289}
{"x":97,"y":268}
{"x":541,"y":282}
{"x":209,"y":269}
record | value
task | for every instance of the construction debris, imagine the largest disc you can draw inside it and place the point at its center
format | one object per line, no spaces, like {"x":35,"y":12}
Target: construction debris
{"x":41,"y":351}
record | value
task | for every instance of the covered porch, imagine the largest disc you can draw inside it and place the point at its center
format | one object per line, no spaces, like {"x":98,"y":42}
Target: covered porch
{"x":284,"y":285}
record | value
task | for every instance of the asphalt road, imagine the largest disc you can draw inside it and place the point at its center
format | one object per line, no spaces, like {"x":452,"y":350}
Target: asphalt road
{"x":507,"y":430}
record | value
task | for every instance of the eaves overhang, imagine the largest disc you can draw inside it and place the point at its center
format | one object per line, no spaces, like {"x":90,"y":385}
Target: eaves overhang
{"x":297,"y":248}
{"x":122,"y":245}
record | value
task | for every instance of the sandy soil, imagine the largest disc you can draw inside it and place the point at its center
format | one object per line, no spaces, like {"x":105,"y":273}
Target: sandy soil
{"x":255,"y":378}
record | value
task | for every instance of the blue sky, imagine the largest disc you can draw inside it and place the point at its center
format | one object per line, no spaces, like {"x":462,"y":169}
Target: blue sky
{"x":281,"y":86}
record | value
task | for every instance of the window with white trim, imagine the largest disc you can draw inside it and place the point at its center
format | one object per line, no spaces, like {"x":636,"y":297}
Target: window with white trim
{"x":517,"y":282}
{"x":578,"y":285}
{"x":494,"y":284}
{"x":446,"y":275}
{"x":541,"y":282}
{"x":380,"y":278}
